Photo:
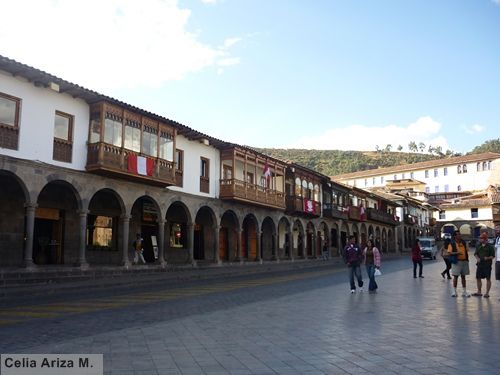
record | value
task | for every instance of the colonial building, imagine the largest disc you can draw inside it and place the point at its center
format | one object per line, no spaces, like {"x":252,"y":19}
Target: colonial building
{"x":82,"y":173}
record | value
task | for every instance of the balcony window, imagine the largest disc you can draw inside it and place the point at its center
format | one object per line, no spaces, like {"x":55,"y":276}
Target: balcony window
{"x":464,"y":168}
{"x":412,"y":175}
{"x":63,"y":137}
{"x":373,"y":181}
{"x":459,"y":188}
{"x":166,"y":146}
{"x":426,"y":174}
{"x":442,"y":215}
{"x":150,"y":141}
{"x":95,"y":128}
{"x":395,"y":177}
{"x":9,"y":121}
{"x":459,"y":169}
{"x":446,"y":188}
{"x":445,"y":171}
{"x":113,"y":130}
{"x":132,"y":135}
{"x":205,"y":175}
{"x":484,"y":166}
{"x":298,"y":187}
{"x":382,"y":180}
{"x":474,"y":213}
{"x":316,"y":193}
{"x":478,"y":167}
{"x":435,"y":172}
{"x":179,"y":160}
{"x":427,"y":189}
{"x":436,"y":189}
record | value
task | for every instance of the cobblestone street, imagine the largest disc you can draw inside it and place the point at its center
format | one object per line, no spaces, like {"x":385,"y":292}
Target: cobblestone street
{"x":295,"y":323}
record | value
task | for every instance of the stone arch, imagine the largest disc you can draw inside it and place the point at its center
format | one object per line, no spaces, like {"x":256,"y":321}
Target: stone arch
{"x":229,"y":237}
{"x":250,"y":238}
{"x":310,"y":240}
{"x":103,"y":240}
{"x":284,"y":238}
{"x":14,"y":197}
{"x":57,"y":222}
{"x":323,"y":240}
{"x":204,"y":235}
{"x":179,"y":233}
{"x":298,"y":239}
{"x":268,"y":239}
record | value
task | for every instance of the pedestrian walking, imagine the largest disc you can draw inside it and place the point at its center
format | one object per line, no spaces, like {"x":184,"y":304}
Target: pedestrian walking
{"x":484,"y":254}
{"x":446,"y":258}
{"x":416,"y":257}
{"x":459,"y":257}
{"x":138,"y":245}
{"x":353,"y":257}
{"x":497,"y":252}
{"x":372,"y":262}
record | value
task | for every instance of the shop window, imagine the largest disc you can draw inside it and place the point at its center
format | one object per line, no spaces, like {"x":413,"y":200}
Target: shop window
{"x":9,"y":121}
{"x":100,"y":233}
{"x":176,"y":235}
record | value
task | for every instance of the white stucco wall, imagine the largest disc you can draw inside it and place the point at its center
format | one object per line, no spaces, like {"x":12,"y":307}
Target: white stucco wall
{"x":451,"y":214}
{"x":36,"y":122}
{"x":193,"y":152}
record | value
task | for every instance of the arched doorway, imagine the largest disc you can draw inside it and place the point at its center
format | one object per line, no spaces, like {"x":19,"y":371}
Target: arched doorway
{"x":204,"y":235}
{"x":229,"y":244}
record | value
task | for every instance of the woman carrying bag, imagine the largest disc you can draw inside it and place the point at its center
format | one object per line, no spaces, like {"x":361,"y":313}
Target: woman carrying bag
{"x":372,"y":263}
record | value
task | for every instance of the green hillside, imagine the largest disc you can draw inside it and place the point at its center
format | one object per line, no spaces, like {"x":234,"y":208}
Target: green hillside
{"x":333,"y":162}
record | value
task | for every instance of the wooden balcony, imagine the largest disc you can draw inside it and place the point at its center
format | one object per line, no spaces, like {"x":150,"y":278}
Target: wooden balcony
{"x":496,"y":218}
{"x":382,"y":217}
{"x":410,"y":220}
{"x":301,"y":206}
{"x":237,"y":190}
{"x":354,"y":213}
{"x":334,"y":211}
{"x":109,"y":160}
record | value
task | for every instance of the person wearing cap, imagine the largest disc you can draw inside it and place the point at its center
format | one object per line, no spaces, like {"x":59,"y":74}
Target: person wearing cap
{"x":484,"y":255}
{"x":460,"y":268}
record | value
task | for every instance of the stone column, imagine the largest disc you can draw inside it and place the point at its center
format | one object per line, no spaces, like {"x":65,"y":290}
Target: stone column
{"x":190,"y":244}
{"x":216,"y":230}
{"x":239,"y":250}
{"x":275,"y":248}
{"x":259,"y":247}
{"x":30,"y":228}
{"x":339,"y":239}
{"x":161,"y":243}
{"x":82,"y":261}
{"x":125,"y":240}
{"x":290,"y":239}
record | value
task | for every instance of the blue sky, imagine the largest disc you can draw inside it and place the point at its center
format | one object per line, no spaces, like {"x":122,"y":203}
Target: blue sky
{"x":325,"y":74}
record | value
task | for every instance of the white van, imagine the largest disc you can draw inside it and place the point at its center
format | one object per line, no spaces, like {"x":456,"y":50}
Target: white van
{"x":428,"y":247}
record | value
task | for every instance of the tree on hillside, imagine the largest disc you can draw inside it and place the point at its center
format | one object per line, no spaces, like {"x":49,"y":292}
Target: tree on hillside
{"x":421,"y":146}
{"x":412,"y":146}
{"x":388,"y":148}
{"x":493,"y":145}
{"x":400,"y":148}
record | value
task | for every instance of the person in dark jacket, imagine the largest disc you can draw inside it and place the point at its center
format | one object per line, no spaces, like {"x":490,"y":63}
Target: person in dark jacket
{"x":353,"y":258}
{"x":416,"y":257}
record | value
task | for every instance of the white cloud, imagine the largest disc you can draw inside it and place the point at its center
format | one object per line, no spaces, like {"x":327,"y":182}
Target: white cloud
{"x":474,"y":129}
{"x":229,"y":61}
{"x":209,"y":1}
{"x":365,"y":138}
{"x":107,"y":44}
{"x":497,"y":2}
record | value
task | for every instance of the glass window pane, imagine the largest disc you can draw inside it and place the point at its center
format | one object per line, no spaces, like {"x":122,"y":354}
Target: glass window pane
{"x":113,"y":132}
{"x":7,"y":111}
{"x":132,"y":139}
{"x":61,"y":127}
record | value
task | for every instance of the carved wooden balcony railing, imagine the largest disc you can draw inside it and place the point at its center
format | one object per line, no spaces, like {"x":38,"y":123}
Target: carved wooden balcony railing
{"x":355,"y":213}
{"x":232,"y":189}
{"x":333,"y":211}
{"x":9,"y":136}
{"x":62,"y":151}
{"x":299,"y":205}
{"x":106,"y":159}
{"x":381,"y":217}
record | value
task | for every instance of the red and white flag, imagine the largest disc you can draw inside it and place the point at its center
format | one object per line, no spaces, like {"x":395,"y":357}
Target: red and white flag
{"x":140,"y":165}
{"x":267,"y":171}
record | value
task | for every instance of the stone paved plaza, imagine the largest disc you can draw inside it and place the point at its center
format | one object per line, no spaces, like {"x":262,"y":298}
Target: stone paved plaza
{"x":297,"y":323}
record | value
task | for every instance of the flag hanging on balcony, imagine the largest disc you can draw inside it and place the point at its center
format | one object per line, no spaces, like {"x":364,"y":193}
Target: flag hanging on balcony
{"x":140,"y":165}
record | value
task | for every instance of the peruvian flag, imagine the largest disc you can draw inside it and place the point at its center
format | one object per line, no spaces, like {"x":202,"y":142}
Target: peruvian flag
{"x":140,"y":165}
{"x":267,"y":174}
